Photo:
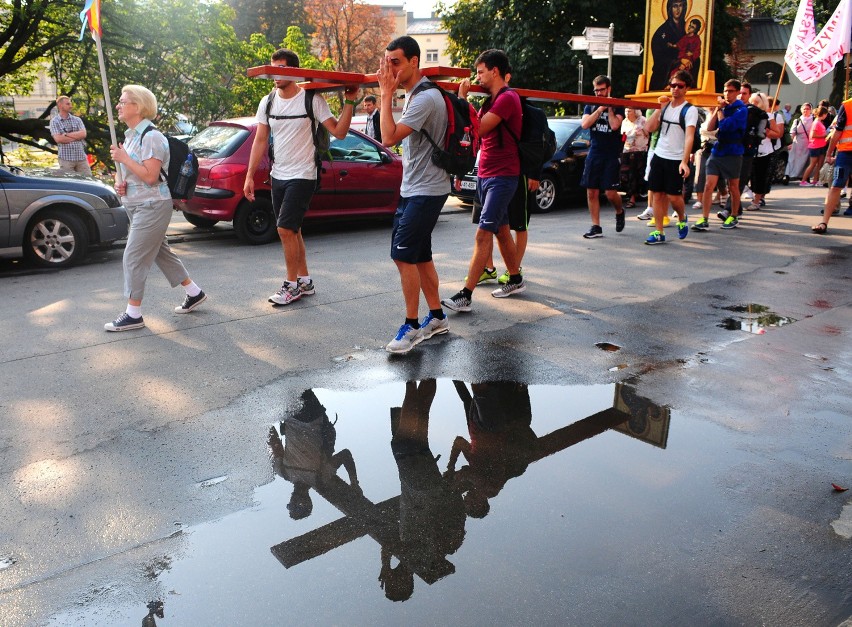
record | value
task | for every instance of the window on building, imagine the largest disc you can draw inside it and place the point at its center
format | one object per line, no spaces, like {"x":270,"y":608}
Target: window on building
{"x":431,"y":56}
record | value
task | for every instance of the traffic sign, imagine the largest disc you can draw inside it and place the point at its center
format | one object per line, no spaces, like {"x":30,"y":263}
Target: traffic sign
{"x":593,"y":33}
{"x":626,"y":49}
{"x":578,"y":42}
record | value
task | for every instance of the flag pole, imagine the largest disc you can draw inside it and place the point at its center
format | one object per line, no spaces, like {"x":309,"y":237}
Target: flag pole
{"x":846,"y":84}
{"x":107,"y":102}
{"x":780,"y":79}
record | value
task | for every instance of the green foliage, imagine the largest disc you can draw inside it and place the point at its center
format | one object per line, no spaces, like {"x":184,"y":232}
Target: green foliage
{"x":537,"y":45}
{"x":270,"y":18}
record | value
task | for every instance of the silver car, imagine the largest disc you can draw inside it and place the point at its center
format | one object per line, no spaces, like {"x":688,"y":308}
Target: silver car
{"x":52,"y":221}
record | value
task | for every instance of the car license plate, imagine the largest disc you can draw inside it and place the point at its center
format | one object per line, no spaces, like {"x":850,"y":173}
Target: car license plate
{"x":468,"y":185}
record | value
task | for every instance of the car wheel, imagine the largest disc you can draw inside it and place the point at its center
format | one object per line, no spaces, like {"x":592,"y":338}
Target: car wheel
{"x":55,"y":238}
{"x":198,"y":221}
{"x":254,"y":222}
{"x":545,"y":197}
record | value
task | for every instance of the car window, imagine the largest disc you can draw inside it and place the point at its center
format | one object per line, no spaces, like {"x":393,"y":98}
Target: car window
{"x":218,"y":142}
{"x":563,"y":129}
{"x":354,"y":148}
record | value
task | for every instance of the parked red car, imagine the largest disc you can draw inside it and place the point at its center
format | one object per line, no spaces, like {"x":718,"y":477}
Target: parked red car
{"x":362,"y":178}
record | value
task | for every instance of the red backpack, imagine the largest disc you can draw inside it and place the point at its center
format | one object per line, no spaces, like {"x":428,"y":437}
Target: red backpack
{"x":457,"y":153}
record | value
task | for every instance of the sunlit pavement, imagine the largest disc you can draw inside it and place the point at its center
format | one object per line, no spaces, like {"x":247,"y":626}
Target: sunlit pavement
{"x":672,"y":419}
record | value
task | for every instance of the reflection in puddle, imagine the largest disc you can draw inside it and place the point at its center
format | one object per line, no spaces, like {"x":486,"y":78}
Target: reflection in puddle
{"x":756,"y":320}
{"x":417,"y":530}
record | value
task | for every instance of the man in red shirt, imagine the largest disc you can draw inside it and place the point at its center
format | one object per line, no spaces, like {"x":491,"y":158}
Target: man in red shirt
{"x":497,"y":178}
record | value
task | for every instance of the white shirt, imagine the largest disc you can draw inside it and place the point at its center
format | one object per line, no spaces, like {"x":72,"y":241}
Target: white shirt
{"x":672,"y":138}
{"x":294,"y":146}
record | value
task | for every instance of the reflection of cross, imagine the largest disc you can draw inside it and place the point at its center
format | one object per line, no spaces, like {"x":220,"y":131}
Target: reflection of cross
{"x":381,"y":520}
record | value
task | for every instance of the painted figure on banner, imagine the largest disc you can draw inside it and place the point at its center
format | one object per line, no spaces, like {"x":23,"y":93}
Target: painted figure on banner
{"x":664,"y":43}
{"x":680,"y":39}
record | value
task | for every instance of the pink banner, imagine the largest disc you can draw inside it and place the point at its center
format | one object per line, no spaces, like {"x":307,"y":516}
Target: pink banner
{"x":810,"y":56}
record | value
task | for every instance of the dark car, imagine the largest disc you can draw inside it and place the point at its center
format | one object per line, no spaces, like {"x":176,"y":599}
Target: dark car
{"x":52,"y":221}
{"x":361,"y":178}
{"x":560,"y":177}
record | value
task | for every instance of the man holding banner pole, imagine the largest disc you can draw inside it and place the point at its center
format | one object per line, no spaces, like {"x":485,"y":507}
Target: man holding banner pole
{"x":841,"y":140}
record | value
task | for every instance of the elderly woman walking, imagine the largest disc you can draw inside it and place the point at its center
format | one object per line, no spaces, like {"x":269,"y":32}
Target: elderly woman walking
{"x":149,"y":205}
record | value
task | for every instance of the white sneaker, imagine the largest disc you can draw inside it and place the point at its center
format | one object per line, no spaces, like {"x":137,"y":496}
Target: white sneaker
{"x":509,"y":288}
{"x":406,"y":338}
{"x":432,"y":326}
{"x":698,"y":206}
{"x":646,"y":215}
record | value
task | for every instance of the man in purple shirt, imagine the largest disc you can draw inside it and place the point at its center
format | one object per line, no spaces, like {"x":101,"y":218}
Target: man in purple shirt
{"x":497,"y":178}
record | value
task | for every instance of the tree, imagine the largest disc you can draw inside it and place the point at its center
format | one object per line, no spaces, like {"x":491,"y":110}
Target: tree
{"x":185,"y":51}
{"x":270,"y":18}
{"x":351,"y":32}
{"x":247,"y":91}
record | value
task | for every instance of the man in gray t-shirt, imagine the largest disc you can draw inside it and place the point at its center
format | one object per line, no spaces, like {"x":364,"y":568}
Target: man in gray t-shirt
{"x":424,"y":189}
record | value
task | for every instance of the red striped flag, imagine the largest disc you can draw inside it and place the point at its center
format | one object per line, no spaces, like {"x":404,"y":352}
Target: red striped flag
{"x":91,"y":16}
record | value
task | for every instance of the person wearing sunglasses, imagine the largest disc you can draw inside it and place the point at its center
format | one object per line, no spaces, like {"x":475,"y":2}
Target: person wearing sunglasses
{"x":670,"y":163}
{"x":602,"y":170}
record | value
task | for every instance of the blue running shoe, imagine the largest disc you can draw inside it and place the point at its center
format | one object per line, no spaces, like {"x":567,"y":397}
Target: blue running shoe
{"x":682,"y":229}
{"x":655,"y":238}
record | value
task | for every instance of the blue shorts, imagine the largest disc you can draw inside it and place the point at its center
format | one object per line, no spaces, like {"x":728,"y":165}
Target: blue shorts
{"x":494,"y":194}
{"x":842,"y":168}
{"x":601,"y":172}
{"x":817,"y":152}
{"x":290,"y":202}
{"x":413,"y":222}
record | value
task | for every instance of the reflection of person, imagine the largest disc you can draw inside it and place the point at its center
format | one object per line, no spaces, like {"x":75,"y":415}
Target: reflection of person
{"x":68,"y":132}
{"x":149,"y":206}
{"x":307,"y":458}
{"x":664,"y":44}
{"x":689,"y":50}
{"x":431,"y":514}
{"x":502,"y":443}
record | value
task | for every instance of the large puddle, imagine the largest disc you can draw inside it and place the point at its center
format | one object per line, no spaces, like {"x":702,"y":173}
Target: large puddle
{"x":446,"y":501}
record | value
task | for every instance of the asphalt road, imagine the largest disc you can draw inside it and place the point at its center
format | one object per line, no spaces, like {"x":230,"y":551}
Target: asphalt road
{"x":104,"y":438}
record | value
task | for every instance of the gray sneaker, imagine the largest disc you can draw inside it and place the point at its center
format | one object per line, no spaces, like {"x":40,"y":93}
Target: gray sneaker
{"x":308,"y":288}
{"x":406,"y":338}
{"x":286,"y":295}
{"x":457,"y":302}
{"x":508,"y":289}
{"x":433,"y":326}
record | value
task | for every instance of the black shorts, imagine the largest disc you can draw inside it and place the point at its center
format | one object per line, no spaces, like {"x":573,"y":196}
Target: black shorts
{"x":290,"y":202}
{"x":665,"y":176}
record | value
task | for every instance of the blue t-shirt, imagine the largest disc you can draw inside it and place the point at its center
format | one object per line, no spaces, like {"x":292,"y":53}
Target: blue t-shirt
{"x":606,"y":141}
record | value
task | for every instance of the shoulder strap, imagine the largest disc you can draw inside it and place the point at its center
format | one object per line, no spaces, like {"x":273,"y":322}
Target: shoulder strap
{"x":682,"y":120}
{"x":142,"y":136}
{"x":423,"y":87}
{"x":269,"y":115}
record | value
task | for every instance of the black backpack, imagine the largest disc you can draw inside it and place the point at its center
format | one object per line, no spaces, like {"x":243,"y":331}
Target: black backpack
{"x":755,"y":128}
{"x":455,"y":155}
{"x":181,"y":185}
{"x":537,"y":142}
{"x":319,"y":133}
{"x":696,"y":138}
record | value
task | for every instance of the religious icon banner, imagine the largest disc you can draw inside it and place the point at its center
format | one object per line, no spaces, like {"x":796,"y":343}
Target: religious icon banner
{"x":677,"y":37}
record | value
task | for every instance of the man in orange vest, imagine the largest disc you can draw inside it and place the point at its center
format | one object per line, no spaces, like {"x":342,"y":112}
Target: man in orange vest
{"x":841,"y":140}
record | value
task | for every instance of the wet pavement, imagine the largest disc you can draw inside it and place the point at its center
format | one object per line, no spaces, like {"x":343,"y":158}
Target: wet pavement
{"x":625,"y":444}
